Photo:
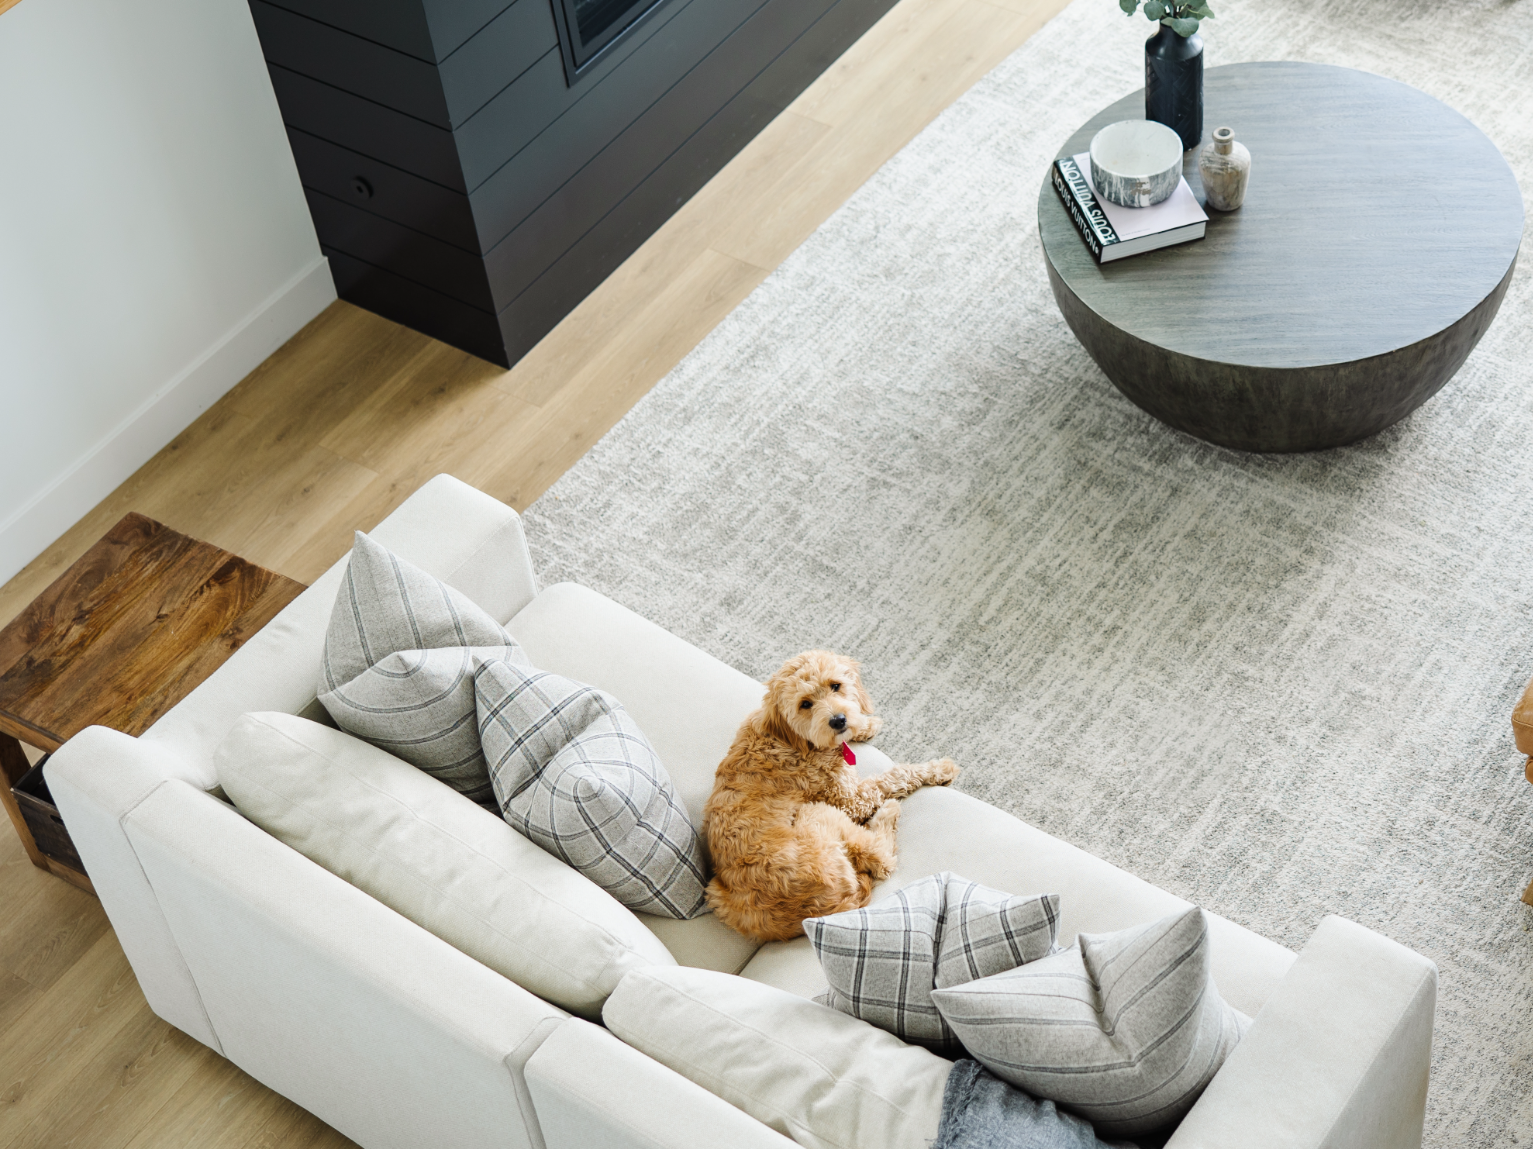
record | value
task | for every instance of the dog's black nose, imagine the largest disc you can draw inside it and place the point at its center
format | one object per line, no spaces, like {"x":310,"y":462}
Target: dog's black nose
{"x":838,"y":721}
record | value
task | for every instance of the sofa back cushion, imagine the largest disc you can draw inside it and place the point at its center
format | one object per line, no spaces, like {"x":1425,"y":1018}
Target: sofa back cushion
{"x":688,"y":703}
{"x":435,"y":857}
{"x":826,"y":1080}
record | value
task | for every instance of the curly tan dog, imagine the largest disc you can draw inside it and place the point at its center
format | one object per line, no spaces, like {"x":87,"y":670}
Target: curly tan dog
{"x":793,"y":833}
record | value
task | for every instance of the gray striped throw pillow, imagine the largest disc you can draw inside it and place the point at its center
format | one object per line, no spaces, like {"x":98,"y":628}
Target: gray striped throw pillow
{"x":398,"y":666}
{"x":419,"y":705}
{"x":575,"y":774}
{"x":1126,"y":1028}
{"x":883,"y":961}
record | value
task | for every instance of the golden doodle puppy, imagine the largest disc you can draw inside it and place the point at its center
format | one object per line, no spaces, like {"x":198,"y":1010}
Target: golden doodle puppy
{"x":793,"y":831}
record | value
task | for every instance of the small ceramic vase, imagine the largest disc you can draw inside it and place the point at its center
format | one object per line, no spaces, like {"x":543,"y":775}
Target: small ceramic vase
{"x":1225,"y":167}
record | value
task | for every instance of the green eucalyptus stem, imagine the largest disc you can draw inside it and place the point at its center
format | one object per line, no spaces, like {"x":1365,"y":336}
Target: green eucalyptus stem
{"x":1181,"y":16}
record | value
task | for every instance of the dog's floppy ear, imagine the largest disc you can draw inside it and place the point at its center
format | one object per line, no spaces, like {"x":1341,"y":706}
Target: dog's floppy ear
{"x":771,"y":721}
{"x":772,"y":724}
{"x":864,"y":703}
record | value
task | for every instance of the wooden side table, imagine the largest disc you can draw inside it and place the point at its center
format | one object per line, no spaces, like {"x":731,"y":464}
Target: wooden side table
{"x":117,"y":640}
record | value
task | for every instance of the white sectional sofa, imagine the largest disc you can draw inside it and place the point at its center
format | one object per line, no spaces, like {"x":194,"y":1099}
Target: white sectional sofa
{"x":397,"y":1039}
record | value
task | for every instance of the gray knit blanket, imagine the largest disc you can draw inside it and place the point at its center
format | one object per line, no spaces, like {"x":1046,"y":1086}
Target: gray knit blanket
{"x":980,"y":1111}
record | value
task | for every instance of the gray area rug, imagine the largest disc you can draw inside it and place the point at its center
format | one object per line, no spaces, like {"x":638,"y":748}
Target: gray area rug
{"x":1277,"y":686}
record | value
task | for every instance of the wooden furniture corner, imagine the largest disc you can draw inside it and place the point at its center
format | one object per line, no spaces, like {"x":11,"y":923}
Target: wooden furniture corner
{"x":118,"y":639}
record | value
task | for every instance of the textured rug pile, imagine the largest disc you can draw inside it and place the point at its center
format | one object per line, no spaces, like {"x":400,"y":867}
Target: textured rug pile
{"x":1278,"y":686}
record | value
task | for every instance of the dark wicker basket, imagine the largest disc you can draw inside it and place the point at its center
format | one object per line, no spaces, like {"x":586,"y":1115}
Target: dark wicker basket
{"x":43,"y":819}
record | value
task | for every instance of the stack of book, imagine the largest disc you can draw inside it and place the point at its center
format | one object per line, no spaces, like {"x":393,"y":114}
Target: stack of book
{"x":1115,"y":232}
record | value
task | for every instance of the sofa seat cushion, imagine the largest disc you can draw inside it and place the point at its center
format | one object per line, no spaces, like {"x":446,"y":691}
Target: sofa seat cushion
{"x":809,"y":1072}
{"x":703,"y":942}
{"x":945,"y":829}
{"x":434,"y":857}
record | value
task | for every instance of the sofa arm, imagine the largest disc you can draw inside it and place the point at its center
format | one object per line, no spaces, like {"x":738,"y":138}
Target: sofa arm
{"x":1338,"y":1058}
{"x":590,"y":1089}
{"x":97,"y":779}
{"x":332,"y":999}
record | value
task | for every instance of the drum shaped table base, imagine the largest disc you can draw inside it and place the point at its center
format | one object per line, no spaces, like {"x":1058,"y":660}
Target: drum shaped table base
{"x":1276,"y":409}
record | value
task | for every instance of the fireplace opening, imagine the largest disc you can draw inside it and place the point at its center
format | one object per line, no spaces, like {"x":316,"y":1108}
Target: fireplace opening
{"x":587,"y":28}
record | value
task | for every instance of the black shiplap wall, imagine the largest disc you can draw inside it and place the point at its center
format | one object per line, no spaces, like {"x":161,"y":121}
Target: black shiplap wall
{"x":461,"y":186}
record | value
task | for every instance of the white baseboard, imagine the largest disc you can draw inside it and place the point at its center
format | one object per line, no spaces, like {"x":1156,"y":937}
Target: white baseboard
{"x":163,"y":416}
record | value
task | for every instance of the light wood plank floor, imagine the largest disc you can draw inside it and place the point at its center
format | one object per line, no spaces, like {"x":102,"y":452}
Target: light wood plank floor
{"x":334,"y":431}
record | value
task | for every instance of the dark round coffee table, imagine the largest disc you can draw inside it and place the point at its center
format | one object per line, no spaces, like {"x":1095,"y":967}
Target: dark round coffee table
{"x":1377,"y":238}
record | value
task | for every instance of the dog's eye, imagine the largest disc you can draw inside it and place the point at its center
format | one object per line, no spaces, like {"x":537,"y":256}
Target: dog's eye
{"x":836,"y":686}
{"x":805,"y":705}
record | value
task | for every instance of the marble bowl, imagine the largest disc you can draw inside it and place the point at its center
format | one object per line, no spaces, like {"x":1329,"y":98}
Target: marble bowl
{"x":1136,"y":163}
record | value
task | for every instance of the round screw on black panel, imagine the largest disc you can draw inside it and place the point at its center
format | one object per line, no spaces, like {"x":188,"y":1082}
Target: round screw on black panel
{"x":363,"y":189}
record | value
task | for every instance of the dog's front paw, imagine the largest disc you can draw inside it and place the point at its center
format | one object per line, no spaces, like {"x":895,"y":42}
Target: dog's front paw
{"x":887,"y":814}
{"x":939,"y":772}
{"x":869,"y":729}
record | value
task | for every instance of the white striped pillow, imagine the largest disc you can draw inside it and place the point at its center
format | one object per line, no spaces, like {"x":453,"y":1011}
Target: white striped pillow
{"x":398,"y":667}
{"x":419,"y":705}
{"x":386,"y":605}
{"x":1126,"y":1028}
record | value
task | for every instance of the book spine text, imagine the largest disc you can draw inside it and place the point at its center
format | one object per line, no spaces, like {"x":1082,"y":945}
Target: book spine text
{"x":1084,"y":211}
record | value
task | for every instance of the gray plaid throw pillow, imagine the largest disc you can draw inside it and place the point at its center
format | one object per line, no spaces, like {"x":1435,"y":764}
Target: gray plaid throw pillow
{"x":1126,"y":1028}
{"x":884,"y":960}
{"x":398,"y":666}
{"x":575,"y":774}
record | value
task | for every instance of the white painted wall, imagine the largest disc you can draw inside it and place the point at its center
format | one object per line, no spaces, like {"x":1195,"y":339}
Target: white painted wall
{"x":154,"y":242}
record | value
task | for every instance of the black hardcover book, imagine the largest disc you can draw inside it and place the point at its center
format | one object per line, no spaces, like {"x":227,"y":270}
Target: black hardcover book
{"x":1085,"y":212}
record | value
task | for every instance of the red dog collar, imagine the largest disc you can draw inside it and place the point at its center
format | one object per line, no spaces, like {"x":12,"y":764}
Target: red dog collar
{"x":846,"y":752}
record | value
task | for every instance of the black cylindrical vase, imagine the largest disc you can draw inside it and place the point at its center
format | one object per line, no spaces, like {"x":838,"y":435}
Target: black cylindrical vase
{"x":1173,"y":83}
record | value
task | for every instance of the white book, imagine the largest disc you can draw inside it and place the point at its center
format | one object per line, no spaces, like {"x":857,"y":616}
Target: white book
{"x":1112,"y":231}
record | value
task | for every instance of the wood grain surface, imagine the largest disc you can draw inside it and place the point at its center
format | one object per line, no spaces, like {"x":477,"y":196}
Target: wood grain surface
{"x":128,"y":631}
{"x":1378,"y":234}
